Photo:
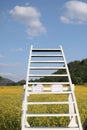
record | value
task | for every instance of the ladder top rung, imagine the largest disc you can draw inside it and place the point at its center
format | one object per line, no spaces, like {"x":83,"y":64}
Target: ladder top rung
{"x":50,"y":115}
{"x":47,"y":68}
{"x":67,"y":83}
{"x":45,"y":50}
{"x":46,"y":75}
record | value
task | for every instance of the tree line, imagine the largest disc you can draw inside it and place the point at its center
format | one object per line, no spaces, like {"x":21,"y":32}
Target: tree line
{"x":78,"y":72}
{"x":77,"y":69}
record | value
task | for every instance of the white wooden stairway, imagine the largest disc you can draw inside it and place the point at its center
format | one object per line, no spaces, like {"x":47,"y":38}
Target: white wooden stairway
{"x":44,"y":59}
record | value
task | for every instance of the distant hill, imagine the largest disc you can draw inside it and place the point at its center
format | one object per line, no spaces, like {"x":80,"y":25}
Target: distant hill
{"x":78,"y":72}
{"x":6,"y":82}
{"x":21,"y":82}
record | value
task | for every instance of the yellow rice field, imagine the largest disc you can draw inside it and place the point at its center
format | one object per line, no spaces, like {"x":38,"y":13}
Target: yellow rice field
{"x":11,"y":102}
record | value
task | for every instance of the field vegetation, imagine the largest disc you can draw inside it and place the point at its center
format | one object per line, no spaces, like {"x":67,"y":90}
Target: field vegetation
{"x":11,"y":102}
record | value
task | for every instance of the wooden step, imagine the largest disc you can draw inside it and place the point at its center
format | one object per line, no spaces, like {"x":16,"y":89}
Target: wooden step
{"x":48,"y":75}
{"x":50,"y":115}
{"x":37,"y":103}
{"x":46,"y":61}
{"x":38,"y":92}
{"x":63,"y":83}
{"x":46,"y":68}
{"x":47,"y":55}
{"x":49,"y":88}
{"x":50,"y":128}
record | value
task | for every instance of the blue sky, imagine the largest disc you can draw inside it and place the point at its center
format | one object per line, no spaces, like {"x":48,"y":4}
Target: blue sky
{"x":43,"y":23}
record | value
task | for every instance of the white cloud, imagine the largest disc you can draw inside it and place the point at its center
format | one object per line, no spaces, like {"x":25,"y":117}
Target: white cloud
{"x":3,"y":65}
{"x":1,"y":56}
{"x":6,"y":74}
{"x":17,"y":50}
{"x":30,"y":17}
{"x":12,"y":76}
{"x":9,"y":65}
{"x":75,"y":12}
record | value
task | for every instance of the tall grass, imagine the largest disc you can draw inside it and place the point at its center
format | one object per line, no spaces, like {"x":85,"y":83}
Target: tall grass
{"x":11,"y":102}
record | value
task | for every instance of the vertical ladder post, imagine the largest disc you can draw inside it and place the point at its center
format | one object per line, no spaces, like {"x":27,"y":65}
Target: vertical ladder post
{"x":71,"y":87}
{"x":29,"y":62}
{"x":24,"y":105}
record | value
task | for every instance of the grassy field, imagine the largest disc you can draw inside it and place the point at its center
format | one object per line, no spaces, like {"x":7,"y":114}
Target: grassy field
{"x":11,"y":101}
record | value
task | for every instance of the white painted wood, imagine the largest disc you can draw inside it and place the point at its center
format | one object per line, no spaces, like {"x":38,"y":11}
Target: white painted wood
{"x":73,"y":123}
{"x":64,"y":83}
{"x":71,"y":85}
{"x":50,"y":115}
{"x":50,"y":128}
{"x":29,"y":62}
{"x":47,"y":61}
{"x":66,"y":66}
{"x":47,"y":55}
{"x":24,"y":107}
{"x":49,"y":88}
{"x":47,"y":68}
{"x":72,"y":110}
{"x":76,"y":109}
{"x":51,"y":75}
{"x":37,"y":92}
{"x":37,"y":103}
{"x":45,"y":50}
{"x":68,"y":90}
